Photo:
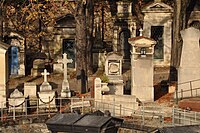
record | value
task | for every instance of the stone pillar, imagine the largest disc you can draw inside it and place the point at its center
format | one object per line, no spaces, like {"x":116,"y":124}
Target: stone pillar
{"x":142,"y":68}
{"x":115,"y":38}
{"x":97,"y":89}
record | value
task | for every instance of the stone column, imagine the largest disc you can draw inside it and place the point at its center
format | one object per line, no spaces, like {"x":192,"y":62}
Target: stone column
{"x":115,"y":39}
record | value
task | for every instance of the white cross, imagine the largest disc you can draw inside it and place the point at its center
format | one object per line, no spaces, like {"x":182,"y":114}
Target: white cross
{"x":141,"y":30}
{"x":65,"y":61}
{"x":45,"y":73}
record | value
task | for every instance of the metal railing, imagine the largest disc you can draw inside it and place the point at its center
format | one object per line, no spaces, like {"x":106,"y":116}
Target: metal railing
{"x":33,"y":108}
{"x":153,"y":116}
{"x":191,"y":91}
{"x":184,"y":117}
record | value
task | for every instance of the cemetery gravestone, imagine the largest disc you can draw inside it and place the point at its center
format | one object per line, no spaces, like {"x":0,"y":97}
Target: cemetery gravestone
{"x":189,"y":69}
{"x":113,"y":69}
{"x":97,"y":89}
{"x":65,"y":92}
{"x":30,"y":91}
{"x":16,"y":101}
{"x":46,"y":94}
{"x":38,"y":67}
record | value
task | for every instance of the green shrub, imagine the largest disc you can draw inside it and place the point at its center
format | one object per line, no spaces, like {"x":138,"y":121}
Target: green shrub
{"x":104,"y":78}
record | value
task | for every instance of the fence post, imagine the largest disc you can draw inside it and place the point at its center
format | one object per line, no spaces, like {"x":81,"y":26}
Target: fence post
{"x":26,"y":106}
{"x":1,"y":111}
{"x":14,"y":111}
{"x":173,"y":116}
{"x":181,"y":93}
{"x":113,"y":106}
{"x":191,"y":88}
{"x":71,"y":105}
{"x":37,"y":110}
{"x":49,"y":107}
{"x":184,"y":118}
{"x":60,"y":104}
{"x":120,"y":107}
{"x":82,"y":103}
{"x":143,"y":114}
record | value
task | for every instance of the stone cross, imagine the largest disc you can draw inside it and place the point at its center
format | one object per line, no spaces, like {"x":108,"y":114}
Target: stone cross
{"x":45,"y":73}
{"x":141,"y":30}
{"x":65,"y":61}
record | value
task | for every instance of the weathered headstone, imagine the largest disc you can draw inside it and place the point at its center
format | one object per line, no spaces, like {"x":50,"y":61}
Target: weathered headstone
{"x":65,"y":92}
{"x":16,"y":101}
{"x":46,"y":94}
{"x":113,"y":69}
{"x":189,"y":69}
{"x":30,"y":91}
{"x":38,"y":67}
{"x":97,"y":89}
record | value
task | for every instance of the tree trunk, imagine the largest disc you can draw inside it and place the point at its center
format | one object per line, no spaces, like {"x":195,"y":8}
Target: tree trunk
{"x":179,"y":23}
{"x":89,"y":22}
{"x":81,"y":47}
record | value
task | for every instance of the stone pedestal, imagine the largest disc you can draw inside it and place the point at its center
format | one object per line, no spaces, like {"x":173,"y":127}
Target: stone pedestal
{"x":46,"y":95}
{"x":142,"y":78}
{"x":65,"y":92}
{"x":47,"y":99}
{"x":30,"y":91}
{"x":116,"y":87}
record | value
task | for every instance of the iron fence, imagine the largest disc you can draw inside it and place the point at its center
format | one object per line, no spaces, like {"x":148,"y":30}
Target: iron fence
{"x":154,"y":116}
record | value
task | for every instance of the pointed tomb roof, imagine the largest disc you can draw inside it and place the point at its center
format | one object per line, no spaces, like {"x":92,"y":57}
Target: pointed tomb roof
{"x":157,"y":6}
{"x":141,"y":41}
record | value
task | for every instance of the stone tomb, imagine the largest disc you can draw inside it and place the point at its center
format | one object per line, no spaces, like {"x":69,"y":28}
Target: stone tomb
{"x":113,"y":69}
{"x":189,"y":69}
{"x":46,"y":94}
{"x":158,"y":25}
{"x":30,"y":91}
{"x":17,"y":101}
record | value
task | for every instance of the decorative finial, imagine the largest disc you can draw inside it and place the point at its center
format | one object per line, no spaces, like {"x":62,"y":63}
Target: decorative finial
{"x":141,"y":30}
